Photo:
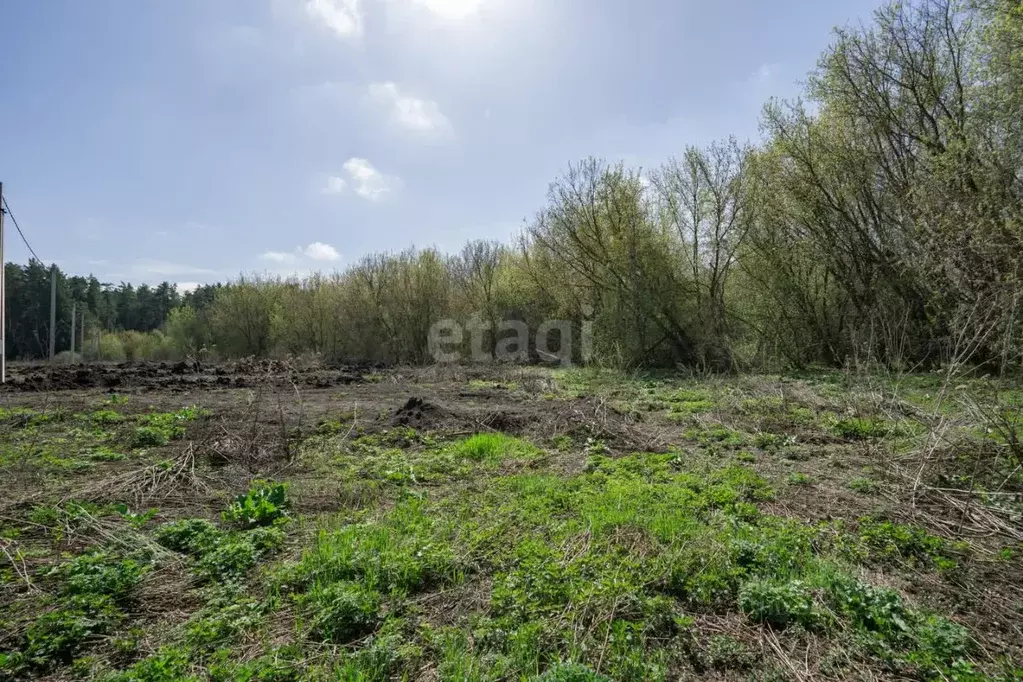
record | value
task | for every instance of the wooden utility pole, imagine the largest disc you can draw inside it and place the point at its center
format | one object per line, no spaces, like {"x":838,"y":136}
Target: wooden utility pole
{"x":71,"y":358}
{"x":81,"y":341}
{"x":3,"y":295}
{"x":53,"y":312}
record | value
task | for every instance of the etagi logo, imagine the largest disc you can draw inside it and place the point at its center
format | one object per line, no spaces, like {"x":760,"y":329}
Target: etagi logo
{"x":553,"y":340}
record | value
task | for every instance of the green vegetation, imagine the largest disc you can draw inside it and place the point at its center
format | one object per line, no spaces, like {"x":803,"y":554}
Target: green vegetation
{"x":563,"y":556}
{"x":69,"y":443}
{"x":265,"y":503}
{"x":492,"y":448}
{"x":221,"y":556}
{"x":159,"y":428}
{"x":863,"y":485}
{"x":149,"y":437}
{"x":799,"y":478}
{"x":858,"y":428}
{"x":188,"y":536}
{"x":92,"y":590}
{"x":401,"y":457}
{"x":888,"y":541}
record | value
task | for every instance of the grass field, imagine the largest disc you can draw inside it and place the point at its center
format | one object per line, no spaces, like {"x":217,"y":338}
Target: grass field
{"x":511,"y":524}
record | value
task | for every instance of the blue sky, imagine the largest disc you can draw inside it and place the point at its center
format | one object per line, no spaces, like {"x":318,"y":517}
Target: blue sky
{"x":193,"y":140}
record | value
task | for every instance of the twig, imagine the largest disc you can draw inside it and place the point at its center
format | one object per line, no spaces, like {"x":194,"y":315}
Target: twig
{"x":772,"y":639}
{"x":22,"y":569}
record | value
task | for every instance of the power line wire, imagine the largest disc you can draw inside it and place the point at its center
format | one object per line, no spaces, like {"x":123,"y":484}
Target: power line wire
{"x":22,"y":234}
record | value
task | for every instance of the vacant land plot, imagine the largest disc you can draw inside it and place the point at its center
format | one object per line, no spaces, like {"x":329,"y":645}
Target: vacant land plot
{"x":261,"y":521}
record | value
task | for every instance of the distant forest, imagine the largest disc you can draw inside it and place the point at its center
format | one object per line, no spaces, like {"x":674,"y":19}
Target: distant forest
{"x":878,"y":220}
{"x":113,"y":308}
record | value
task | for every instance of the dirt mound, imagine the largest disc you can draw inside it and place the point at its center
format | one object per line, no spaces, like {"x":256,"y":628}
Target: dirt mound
{"x":178,"y":376}
{"x":421,"y":414}
{"x":64,"y":378}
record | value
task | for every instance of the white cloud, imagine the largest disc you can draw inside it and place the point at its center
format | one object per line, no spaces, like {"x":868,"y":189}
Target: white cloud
{"x":367,"y":181}
{"x":451,"y":9}
{"x":343,"y":17}
{"x":335,"y":185}
{"x":317,"y":251}
{"x":407,"y":110}
{"x":278,"y":257}
{"x":186,"y":287}
{"x":321,"y":251}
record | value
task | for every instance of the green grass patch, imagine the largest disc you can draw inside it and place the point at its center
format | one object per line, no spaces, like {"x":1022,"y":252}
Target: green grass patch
{"x":156,"y":429}
{"x":798,"y":478}
{"x":717,"y":435}
{"x":686,"y":402}
{"x":885,"y":541}
{"x":408,"y":550}
{"x":861,"y":428}
{"x":863,"y":485}
{"x":493,"y":448}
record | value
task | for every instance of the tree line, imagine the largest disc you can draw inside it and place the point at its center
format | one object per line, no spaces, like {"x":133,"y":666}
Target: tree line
{"x":878,"y":220}
{"x":113,"y":308}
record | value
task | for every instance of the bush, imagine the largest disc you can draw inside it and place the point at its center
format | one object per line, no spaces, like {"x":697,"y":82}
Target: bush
{"x":170,"y":664}
{"x":106,"y":417}
{"x":939,"y":639}
{"x":98,"y":573}
{"x":66,"y":357}
{"x":186,"y":331}
{"x":860,"y":428}
{"x":229,"y":560}
{"x":266,"y":540}
{"x":57,"y":637}
{"x":870,"y":608}
{"x":342,"y":611}
{"x":189,"y":536}
{"x":111,"y":349}
{"x":780,"y":605}
{"x":262,"y":505}
{"x":149,"y":437}
{"x":106,"y":455}
{"x":152,"y":346}
{"x":223,"y":618}
{"x":897,"y":542}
